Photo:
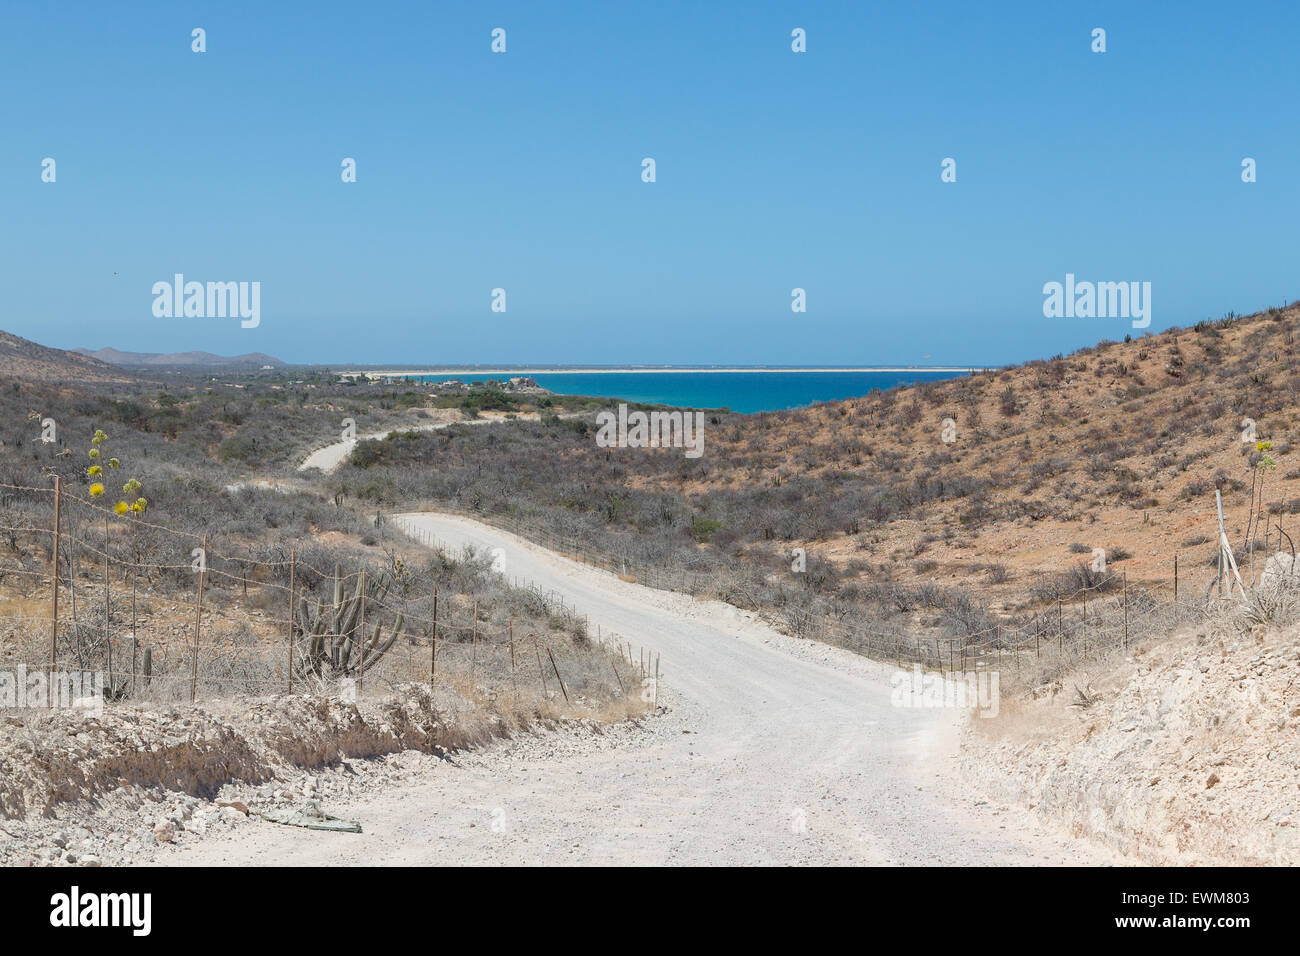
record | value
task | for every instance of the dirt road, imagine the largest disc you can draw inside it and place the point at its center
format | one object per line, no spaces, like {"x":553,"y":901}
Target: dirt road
{"x":773,"y":751}
{"x":330,"y":457}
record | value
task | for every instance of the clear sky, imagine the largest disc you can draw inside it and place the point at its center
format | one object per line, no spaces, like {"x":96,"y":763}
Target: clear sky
{"x":522,"y":170}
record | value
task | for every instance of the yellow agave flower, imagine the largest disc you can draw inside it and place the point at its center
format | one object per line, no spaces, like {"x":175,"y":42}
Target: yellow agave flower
{"x":139,"y":506}
{"x":96,"y":490}
{"x":93,"y":471}
{"x":121,"y":508}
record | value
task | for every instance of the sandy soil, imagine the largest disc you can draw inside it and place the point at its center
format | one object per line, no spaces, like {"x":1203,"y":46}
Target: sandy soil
{"x":768,"y":750}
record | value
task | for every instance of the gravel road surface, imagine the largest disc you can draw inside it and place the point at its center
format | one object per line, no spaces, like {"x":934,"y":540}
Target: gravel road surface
{"x":768,"y":750}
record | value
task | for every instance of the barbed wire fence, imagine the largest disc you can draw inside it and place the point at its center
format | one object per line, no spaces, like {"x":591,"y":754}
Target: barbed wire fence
{"x":79,"y":578}
{"x":1076,"y":628}
{"x":186,"y":649}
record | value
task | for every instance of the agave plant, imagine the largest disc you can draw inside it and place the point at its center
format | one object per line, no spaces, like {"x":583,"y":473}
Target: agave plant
{"x":131,"y":504}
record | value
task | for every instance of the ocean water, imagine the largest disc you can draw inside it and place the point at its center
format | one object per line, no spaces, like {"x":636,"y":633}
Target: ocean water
{"x":738,"y":391}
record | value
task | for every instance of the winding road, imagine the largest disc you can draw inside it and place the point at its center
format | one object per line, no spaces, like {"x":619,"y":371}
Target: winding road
{"x":772,"y":750}
{"x":329,"y":457}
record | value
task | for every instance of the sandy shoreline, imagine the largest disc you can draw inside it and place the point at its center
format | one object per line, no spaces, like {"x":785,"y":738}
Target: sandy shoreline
{"x":641,"y":371}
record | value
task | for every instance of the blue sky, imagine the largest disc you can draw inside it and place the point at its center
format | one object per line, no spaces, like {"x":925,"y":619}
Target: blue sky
{"x":522,"y":171}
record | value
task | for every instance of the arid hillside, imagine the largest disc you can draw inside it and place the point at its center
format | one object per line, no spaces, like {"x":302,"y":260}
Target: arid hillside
{"x":21,"y":358}
{"x":949,"y":509}
{"x":114,"y":356}
{"x":1119,"y":447}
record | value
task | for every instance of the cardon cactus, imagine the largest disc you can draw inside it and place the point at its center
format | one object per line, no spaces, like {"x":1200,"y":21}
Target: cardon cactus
{"x":335,"y":643}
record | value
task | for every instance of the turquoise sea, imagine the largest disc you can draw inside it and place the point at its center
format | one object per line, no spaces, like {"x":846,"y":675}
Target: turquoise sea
{"x":739,"y":391}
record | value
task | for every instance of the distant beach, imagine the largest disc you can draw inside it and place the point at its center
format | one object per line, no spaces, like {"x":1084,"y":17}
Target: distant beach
{"x":642,"y":370}
{"x":745,"y":389}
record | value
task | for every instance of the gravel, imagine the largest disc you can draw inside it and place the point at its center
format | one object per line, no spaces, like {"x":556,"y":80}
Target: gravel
{"x":764,"y":750}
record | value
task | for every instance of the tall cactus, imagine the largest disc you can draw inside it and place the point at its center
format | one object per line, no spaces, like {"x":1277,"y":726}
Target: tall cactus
{"x":336,"y":644}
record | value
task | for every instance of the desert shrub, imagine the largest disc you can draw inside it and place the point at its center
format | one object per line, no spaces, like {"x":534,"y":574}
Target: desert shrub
{"x":703,"y":528}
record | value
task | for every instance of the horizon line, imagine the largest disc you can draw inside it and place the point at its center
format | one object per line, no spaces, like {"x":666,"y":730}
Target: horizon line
{"x":645,"y":369}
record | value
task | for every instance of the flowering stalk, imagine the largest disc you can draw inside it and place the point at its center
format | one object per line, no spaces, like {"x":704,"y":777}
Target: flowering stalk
{"x":95,"y":472}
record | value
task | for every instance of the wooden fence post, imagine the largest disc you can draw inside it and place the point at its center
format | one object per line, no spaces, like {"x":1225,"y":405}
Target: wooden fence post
{"x":361,"y":660}
{"x":135,"y":570}
{"x":1126,"y":609}
{"x":557,"y":673}
{"x":292,"y":575}
{"x":54,"y":598}
{"x":198,"y":621}
{"x":433,"y":646}
{"x":108,"y":632}
{"x":540,"y":672}
{"x":513,"y":683}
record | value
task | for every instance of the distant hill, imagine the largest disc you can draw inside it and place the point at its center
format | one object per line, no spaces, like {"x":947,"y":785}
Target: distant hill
{"x":21,"y":358}
{"x":116,"y":357}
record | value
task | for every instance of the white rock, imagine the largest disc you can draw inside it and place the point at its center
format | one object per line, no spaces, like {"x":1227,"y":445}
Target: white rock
{"x":1278,"y":571}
